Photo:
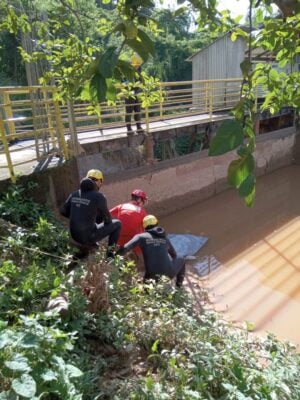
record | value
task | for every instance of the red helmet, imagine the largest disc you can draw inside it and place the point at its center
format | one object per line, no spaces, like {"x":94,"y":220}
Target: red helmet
{"x":139,"y":193}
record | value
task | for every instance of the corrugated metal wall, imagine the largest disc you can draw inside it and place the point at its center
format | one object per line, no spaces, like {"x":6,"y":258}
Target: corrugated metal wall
{"x":220,"y":60}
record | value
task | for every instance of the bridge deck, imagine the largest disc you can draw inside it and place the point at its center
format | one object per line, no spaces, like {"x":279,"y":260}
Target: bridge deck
{"x":24,"y":150}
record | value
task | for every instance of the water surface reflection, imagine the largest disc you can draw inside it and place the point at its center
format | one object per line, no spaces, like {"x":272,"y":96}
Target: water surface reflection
{"x":258,"y":250}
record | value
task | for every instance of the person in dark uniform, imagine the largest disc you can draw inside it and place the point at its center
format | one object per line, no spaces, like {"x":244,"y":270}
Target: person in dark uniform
{"x":159,"y":255}
{"x":132,"y":102}
{"x":90,"y":219}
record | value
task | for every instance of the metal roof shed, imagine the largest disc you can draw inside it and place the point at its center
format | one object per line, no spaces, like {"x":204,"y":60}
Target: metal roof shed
{"x":219,"y":60}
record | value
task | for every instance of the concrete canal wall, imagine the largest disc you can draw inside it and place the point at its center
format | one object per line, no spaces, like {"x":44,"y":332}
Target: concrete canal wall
{"x":175,"y":184}
{"x":171,"y":185}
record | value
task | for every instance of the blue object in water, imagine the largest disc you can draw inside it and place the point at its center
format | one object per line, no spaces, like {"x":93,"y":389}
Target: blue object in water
{"x":187,"y":244}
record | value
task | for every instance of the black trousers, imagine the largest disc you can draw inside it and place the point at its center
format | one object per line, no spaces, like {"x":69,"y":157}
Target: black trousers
{"x":177,"y":269}
{"x":132,"y":106}
{"x":111,"y":230}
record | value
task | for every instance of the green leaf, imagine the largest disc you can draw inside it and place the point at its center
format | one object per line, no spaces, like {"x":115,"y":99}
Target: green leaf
{"x":234,"y":36}
{"x":146,"y":41}
{"x":3,"y":325}
{"x":7,"y":338}
{"x":98,"y":88}
{"x":229,"y":136}
{"x":108,"y":62}
{"x":155,"y":346}
{"x":139,"y":48}
{"x":48,"y":375}
{"x":92,"y":68}
{"x":24,"y":386}
{"x":57,"y":281}
{"x":126,"y":70}
{"x":179,"y":11}
{"x":273,"y":75}
{"x":246,"y":66}
{"x":247,"y":186}
{"x":250,"y":198}
{"x":73,"y":371}
{"x":240,"y":169}
{"x":146,"y":3}
{"x":282,"y":63}
{"x":259,"y":16}
{"x":131,"y":30}
{"x":250,"y":326}
{"x":18,"y":363}
{"x":120,"y":28}
{"x":111,"y":92}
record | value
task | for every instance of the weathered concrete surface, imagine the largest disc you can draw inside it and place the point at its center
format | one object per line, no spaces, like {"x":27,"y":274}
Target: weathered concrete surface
{"x":175,"y":184}
{"x":172,"y":184}
{"x":53,"y":185}
{"x":297,"y":147}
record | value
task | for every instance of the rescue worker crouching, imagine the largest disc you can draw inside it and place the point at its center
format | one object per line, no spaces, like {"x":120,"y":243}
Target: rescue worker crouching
{"x":131,"y":215}
{"x":159,"y":255}
{"x":90,"y":219}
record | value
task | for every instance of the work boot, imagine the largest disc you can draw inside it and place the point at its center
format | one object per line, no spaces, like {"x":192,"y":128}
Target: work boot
{"x":139,"y":129}
{"x":129,"y":130}
{"x":180,"y":278}
{"x":111,"y":252}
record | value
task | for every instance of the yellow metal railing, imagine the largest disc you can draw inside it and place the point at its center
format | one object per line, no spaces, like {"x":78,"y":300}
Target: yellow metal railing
{"x":34,"y":124}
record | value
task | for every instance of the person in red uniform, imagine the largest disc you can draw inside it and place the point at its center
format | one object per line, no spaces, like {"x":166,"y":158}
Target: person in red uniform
{"x":131,"y":215}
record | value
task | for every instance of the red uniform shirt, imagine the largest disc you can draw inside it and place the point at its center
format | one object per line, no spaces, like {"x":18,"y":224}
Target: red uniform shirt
{"x":131,"y":215}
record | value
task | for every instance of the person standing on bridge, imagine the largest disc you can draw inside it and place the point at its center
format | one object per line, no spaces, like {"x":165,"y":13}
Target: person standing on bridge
{"x":131,"y":215}
{"x":159,"y":255}
{"x":90,"y":219}
{"x":132,"y":101}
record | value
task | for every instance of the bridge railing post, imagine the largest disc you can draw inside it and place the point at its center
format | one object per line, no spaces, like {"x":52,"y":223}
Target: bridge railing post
{"x":72,"y":127}
{"x":149,"y":140}
{"x":7,"y":153}
{"x":161,"y":111}
{"x":60,"y":130}
{"x":211,"y":100}
{"x":8,"y":114}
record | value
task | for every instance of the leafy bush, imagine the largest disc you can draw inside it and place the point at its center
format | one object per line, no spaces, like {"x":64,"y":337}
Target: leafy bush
{"x":195,"y":356}
{"x":17,"y":208}
{"x":25,"y":290}
{"x":33,"y":362}
{"x":49,"y":237}
{"x":152,"y":336}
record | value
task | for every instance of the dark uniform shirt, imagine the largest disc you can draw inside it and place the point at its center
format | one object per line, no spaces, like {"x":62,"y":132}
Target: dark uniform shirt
{"x":158,"y":252}
{"x":86,"y":207}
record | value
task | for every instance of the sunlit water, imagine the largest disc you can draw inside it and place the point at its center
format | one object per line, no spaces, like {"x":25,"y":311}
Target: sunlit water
{"x":253,"y":254}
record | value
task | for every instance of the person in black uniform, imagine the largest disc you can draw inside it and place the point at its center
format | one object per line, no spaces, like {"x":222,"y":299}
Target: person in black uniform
{"x":90,"y":219}
{"x":159,"y":255}
{"x":132,"y":102}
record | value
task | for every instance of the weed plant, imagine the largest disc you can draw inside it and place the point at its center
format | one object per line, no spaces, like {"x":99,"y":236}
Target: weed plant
{"x":120,"y":339}
{"x":19,"y":209}
{"x":186,"y":355}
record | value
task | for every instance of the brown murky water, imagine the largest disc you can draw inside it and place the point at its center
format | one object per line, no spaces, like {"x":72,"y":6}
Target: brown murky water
{"x":253,"y":254}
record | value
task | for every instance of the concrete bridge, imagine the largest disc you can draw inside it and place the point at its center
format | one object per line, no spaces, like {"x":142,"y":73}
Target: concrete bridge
{"x":34,"y":124}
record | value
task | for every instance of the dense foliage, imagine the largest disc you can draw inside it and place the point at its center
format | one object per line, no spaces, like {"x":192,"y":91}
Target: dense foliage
{"x":86,"y":49}
{"x":175,"y":39}
{"x":118,"y":339}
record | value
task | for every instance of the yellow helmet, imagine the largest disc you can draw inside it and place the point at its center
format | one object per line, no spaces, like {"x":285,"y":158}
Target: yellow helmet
{"x":96,"y":174}
{"x":149,"y":220}
{"x":136,"y":60}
